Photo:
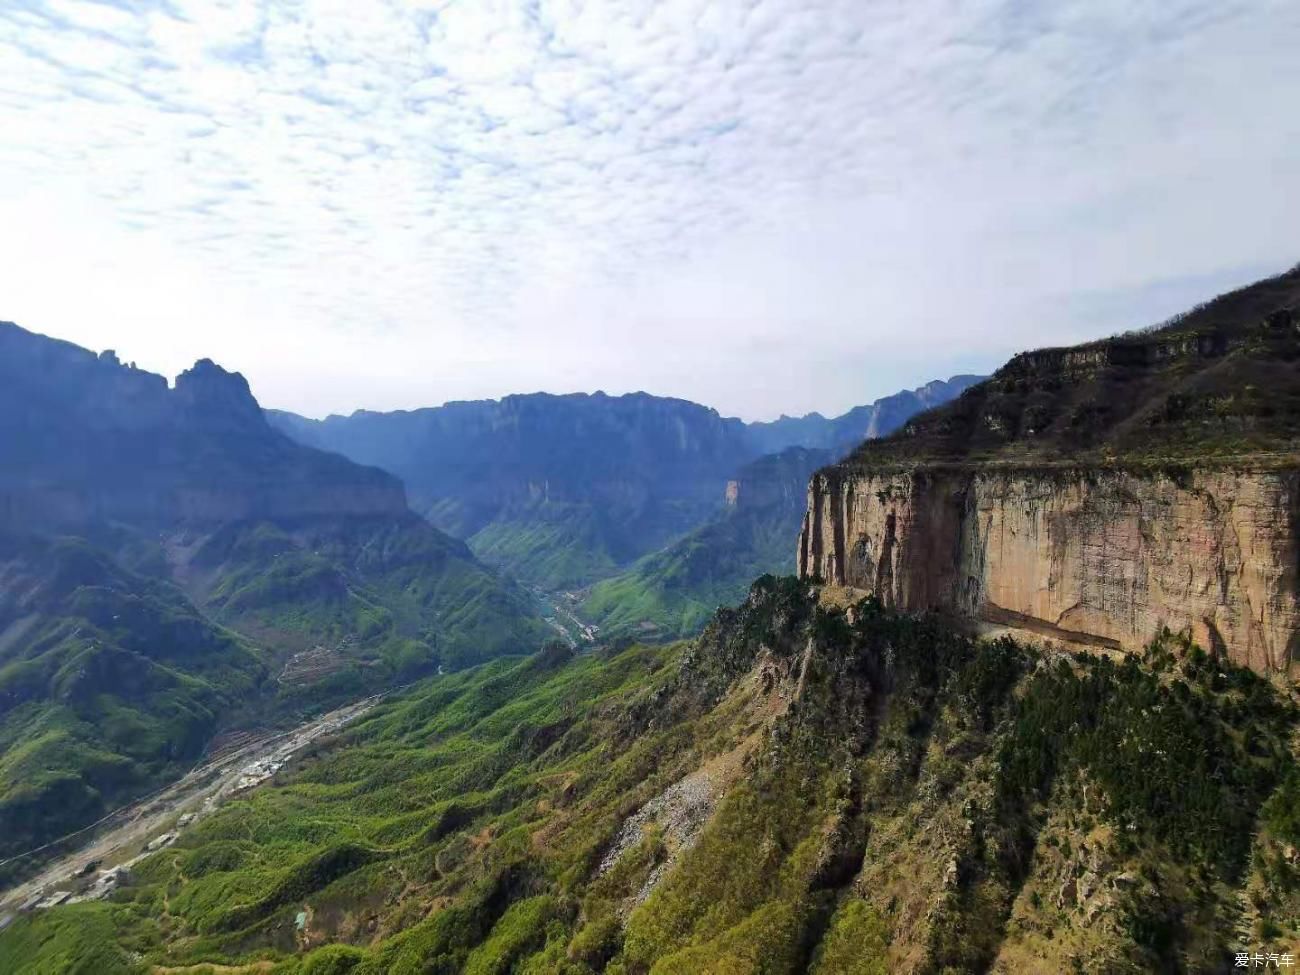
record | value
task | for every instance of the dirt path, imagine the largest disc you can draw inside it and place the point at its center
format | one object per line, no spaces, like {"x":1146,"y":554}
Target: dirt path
{"x":123,"y":835}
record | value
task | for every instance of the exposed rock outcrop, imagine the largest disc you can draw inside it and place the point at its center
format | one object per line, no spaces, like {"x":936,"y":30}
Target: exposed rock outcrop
{"x":1097,"y":557}
{"x":1097,"y":493}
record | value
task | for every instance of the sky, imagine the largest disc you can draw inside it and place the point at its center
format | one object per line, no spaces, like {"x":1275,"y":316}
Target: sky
{"x":768,"y":206}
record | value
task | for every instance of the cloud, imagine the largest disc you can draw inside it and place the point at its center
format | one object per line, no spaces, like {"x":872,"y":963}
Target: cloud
{"x":770,"y":206}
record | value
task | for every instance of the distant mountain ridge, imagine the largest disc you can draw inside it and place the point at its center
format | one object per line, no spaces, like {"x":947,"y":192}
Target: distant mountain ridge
{"x":86,"y":438}
{"x":877,"y":419}
{"x":468,"y":460}
{"x":563,"y":490}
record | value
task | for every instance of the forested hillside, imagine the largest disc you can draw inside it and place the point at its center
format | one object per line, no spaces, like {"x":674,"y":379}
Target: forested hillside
{"x":674,"y":592}
{"x":803,"y":788}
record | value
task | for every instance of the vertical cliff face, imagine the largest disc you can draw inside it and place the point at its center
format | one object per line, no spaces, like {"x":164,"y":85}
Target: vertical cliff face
{"x":1044,"y":497}
{"x":1102,"y":557}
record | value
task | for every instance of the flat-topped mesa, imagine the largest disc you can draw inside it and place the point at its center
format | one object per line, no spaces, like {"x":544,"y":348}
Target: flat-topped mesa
{"x":1096,"y":494}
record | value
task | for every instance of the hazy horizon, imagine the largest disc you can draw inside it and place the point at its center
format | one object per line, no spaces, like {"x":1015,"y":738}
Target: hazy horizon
{"x":126,"y":359}
{"x":766,"y":208}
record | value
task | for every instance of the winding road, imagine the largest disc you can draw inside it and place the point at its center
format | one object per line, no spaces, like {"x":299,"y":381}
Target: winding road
{"x":120,"y":838}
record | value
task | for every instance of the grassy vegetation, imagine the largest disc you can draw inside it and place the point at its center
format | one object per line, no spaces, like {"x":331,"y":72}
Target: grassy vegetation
{"x":110,"y":683}
{"x":402,"y":594}
{"x":836,"y":793}
{"x":674,"y":592}
{"x":567,"y":545}
{"x":677,"y":590}
{"x":552,"y":545}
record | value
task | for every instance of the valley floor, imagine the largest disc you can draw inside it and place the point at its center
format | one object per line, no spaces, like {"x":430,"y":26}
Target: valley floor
{"x":124,"y":836}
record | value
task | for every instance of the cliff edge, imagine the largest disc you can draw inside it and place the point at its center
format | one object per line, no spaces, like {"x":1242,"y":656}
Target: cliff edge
{"x":1097,"y":493}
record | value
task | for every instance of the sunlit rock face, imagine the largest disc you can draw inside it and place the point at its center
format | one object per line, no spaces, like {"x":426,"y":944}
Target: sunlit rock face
{"x":1099,"y":492}
{"x":1100,"y":557}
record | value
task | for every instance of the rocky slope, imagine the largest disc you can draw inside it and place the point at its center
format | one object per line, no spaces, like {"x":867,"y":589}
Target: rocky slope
{"x":1097,"y":494}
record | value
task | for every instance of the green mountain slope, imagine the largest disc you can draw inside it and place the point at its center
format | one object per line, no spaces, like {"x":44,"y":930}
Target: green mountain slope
{"x":388,"y":590}
{"x":171,"y":565}
{"x":110,"y":682}
{"x":675,"y":591}
{"x":554,"y":544}
{"x":294,"y":546}
{"x":801,"y":789}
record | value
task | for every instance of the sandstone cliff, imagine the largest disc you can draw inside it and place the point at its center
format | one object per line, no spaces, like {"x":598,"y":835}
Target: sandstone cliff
{"x":1102,"y":557}
{"x":1097,"y":493}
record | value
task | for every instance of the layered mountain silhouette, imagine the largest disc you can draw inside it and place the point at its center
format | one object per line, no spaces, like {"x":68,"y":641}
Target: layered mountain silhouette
{"x":839,"y":434}
{"x":566,"y":490}
{"x":170,"y":559}
{"x":828,"y":778}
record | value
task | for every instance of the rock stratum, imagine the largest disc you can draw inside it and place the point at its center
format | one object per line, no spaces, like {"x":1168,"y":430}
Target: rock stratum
{"x":1103,"y":557}
{"x":1096,"y":494}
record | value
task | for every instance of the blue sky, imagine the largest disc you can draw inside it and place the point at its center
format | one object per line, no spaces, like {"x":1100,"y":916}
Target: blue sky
{"x":769,"y":207}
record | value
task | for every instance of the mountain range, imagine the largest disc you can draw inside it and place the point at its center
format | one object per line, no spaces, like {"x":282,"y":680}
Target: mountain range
{"x":565,"y":490}
{"x":839,"y":434}
{"x":173,"y":564}
{"x":176,"y":566}
{"x":1026,"y":705}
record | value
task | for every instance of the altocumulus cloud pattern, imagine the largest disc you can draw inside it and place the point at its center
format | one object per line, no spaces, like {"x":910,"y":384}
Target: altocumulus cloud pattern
{"x":556,"y":173}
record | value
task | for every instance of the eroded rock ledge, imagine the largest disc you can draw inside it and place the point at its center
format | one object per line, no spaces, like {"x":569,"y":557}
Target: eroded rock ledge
{"x":1099,"y":556}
